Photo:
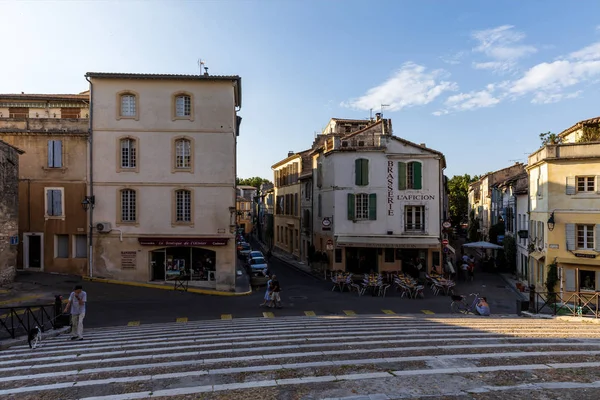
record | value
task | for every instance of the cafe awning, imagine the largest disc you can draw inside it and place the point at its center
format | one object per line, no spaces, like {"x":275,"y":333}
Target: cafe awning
{"x":538,"y":255}
{"x":388,"y":242}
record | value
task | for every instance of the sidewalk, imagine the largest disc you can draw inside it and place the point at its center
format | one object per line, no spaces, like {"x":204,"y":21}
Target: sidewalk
{"x":287,"y":259}
{"x":36,"y":288}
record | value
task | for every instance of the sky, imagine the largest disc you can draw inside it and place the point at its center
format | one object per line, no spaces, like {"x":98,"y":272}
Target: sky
{"x":476,"y":80}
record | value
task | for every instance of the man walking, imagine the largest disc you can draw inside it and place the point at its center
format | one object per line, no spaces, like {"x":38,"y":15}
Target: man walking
{"x":76,"y":302}
{"x":275,"y":296}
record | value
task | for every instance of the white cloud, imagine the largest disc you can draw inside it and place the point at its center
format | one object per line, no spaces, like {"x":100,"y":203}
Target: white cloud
{"x":502,"y":45}
{"x":469,"y":101}
{"x":410,"y":86}
{"x":591,"y":52}
{"x":453,"y":59}
{"x":547,"y":98}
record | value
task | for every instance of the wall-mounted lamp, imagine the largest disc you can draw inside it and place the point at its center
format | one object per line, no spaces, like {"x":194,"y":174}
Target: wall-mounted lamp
{"x":88,"y":202}
{"x":551,"y":222}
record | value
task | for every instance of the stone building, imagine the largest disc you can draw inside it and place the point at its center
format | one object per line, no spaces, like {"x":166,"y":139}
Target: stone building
{"x":52,"y":130}
{"x":163,"y":177}
{"x":9,"y":210}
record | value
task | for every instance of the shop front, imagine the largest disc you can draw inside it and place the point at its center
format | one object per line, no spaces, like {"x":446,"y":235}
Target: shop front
{"x":580,"y":275}
{"x":189,"y":259}
{"x":413,"y":256}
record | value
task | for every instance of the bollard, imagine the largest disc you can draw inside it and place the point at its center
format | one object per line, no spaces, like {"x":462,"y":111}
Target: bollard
{"x":532,"y":298}
{"x":519,"y":307}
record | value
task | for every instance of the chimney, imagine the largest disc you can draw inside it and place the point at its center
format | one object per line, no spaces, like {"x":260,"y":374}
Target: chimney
{"x":22,"y":92}
{"x":422,"y":144}
{"x":377,"y":116}
{"x":290,"y":153}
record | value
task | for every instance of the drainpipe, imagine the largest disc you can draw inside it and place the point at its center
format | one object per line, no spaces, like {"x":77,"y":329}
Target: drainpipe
{"x":91,"y":181}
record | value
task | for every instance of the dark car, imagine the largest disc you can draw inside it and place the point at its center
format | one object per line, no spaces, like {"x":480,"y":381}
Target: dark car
{"x":244,"y":250}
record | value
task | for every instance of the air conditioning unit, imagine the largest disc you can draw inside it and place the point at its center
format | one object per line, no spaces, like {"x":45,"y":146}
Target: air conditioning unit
{"x":103,"y":227}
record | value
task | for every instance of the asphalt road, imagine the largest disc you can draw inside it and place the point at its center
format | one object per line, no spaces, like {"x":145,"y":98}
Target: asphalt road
{"x":113,"y":305}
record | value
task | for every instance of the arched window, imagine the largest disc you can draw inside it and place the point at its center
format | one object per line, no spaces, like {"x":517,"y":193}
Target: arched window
{"x":128,"y":105}
{"x":183,"y":106}
{"x":183,"y":154}
{"x":128,"y":153}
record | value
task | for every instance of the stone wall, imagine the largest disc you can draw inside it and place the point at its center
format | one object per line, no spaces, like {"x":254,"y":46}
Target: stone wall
{"x":9,"y":210}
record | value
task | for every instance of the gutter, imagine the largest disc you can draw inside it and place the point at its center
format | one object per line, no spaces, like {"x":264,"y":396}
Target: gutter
{"x":91,"y":181}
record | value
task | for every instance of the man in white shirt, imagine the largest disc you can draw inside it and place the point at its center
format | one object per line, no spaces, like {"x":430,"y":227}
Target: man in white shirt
{"x":76,"y":303}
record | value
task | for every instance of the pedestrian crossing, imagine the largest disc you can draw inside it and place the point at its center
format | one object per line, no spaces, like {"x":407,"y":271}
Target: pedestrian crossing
{"x":319,"y":357}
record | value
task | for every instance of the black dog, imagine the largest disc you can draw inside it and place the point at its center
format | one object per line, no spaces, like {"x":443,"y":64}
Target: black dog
{"x":34,"y":337}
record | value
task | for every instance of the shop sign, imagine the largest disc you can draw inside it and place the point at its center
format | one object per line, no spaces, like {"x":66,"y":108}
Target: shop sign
{"x":128,"y":259}
{"x":553,"y":246}
{"x":390,"y":189}
{"x":183,"y":242}
{"x":326,"y":223}
{"x":416,"y":197}
{"x":390,"y":245}
{"x":583,"y":255}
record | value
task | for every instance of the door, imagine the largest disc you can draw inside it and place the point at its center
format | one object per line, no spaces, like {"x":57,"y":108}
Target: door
{"x":157,"y":263}
{"x":34,"y":250}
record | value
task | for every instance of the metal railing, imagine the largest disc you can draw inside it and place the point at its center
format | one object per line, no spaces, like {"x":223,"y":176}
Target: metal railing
{"x":15,"y":321}
{"x":578,"y":304}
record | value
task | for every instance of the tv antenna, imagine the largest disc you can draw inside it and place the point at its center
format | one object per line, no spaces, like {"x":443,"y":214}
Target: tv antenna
{"x":382,"y":107}
{"x":201,"y":66}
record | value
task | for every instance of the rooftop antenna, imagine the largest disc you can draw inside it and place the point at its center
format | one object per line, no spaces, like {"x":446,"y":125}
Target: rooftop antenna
{"x":370,"y":114}
{"x":201,"y":65}
{"x":382,"y":107}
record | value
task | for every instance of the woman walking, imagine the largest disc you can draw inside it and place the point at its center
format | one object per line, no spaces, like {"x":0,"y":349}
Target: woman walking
{"x":267,"y":296}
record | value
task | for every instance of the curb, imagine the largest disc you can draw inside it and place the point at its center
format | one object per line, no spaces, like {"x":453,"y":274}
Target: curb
{"x":165,"y":287}
{"x":5,"y":344}
{"x":566,"y":318}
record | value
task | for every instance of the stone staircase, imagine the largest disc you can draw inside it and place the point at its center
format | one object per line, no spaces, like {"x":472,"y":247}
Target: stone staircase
{"x":354,"y":357}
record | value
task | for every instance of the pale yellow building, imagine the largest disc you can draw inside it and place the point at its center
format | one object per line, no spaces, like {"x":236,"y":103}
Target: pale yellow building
{"x":244,"y":214}
{"x":287,"y":203}
{"x":163,"y":155}
{"x":564,"y":191}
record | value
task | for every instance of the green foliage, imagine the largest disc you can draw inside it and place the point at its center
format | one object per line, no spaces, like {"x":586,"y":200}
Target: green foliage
{"x":474,"y":236}
{"x":255,"y":181}
{"x":590,"y":134}
{"x":550,"y":138}
{"x":510,"y":250}
{"x":496,"y":230}
{"x":458,"y":200}
{"x":551,"y":281}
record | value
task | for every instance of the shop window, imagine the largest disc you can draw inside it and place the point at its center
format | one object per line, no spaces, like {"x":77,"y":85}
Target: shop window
{"x":338,"y":255}
{"x":587,"y":280}
{"x":389,"y":255}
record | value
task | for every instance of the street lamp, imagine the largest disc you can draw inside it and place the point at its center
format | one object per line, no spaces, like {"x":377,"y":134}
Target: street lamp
{"x":551,"y":222}
{"x":88,"y":202}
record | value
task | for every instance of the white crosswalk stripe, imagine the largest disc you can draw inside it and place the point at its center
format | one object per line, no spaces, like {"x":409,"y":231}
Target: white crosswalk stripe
{"x":321,"y":356}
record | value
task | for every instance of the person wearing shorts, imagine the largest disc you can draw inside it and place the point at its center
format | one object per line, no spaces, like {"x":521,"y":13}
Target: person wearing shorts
{"x":275,"y":293}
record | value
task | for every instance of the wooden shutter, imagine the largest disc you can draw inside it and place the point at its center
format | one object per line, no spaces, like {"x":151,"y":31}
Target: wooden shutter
{"x":417,"y":175}
{"x":319,"y":175}
{"x":401,"y":175}
{"x":597,"y":184}
{"x":570,"y":236}
{"x":570,"y":280}
{"x":597,"y":237}
{"x":70,"y":112}
{"x":350,"y":206}
{"x":50,"y":153}
{"x":49,"y":202}
{"x":18,"y":112}
{"x":357,"y":172}
{"x":364,"y":173}
{"x":570,"y":186}
{"x":57,"y":152}
{"x":373,"y":206}
{"x":57,"y":203}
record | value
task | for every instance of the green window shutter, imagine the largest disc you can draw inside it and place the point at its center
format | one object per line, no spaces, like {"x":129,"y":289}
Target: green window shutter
{"x":350,"y":206}
{"x":401,"y":176}
{"x":357,"y":172}
{"x":373,"y":206}
{"x":417,"y":175}
{"x":365,"y":172}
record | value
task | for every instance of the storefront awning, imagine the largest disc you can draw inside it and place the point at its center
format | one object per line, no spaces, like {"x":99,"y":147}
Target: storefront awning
{"x":388,"y":242}
{"x":538,"y":255}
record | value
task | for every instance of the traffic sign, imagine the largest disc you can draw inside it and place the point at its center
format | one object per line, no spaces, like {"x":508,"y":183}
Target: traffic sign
{"x":446,"y":225}
{"x":445,"y":242}
{"x":446,"y":250}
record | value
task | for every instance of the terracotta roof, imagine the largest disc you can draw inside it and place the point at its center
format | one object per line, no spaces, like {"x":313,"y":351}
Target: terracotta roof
{"x":39,"y":96}
{"x":290,"y":157}
{"x":176,"y":77}
{"x":18,"y":150}
{"x":351,"y":120}
{"x":366,"y":128}
{"x":579,"y":125}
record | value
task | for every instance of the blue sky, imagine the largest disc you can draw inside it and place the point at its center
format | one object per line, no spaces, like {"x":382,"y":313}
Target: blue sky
{"x":475,"y":80}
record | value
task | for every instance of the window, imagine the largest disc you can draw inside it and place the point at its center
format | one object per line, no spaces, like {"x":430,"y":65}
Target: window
{"x":18,"y":112}
{"x":319,"y":206}
{"x":361,"y":172}
{"x":414,"y":218}
{"x":183,"y":206}
{"x":587,"y":280}
{"x":389,"y":255}
{"x":55,"y":154}
{"x":296,"y":205}
{"x":128,"y":206}
{"x":585,"y":184}
{"x":183,"y":106}
{"x":183,"y":154}
{"x":307,"y":190}
{"x":362,"y":206}
{"x":128,"y":154}
{"x":128,"y":105}
{"x":61,"y":249}
{"x":54,"y":202}
{"x":410,"y":175}
{"x":80,"y":246}
{"x":585,"y":237}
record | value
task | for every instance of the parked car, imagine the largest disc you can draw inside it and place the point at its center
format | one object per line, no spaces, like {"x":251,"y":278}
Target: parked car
{"x":254,"y":253}
{"x":258,"y":265}
{"x":244,"y":251}
{"x":239,"y":245}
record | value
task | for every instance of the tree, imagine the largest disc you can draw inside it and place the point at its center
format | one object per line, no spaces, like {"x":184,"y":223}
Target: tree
{"x":473,"y":230}
{"x":255,"y":181}
{"x":458,"y":198}
{"x":590,"y":133}
{"x":550,"y":138}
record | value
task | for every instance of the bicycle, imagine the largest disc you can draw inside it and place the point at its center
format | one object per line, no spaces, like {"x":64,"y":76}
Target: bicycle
{"x":460,"y":305}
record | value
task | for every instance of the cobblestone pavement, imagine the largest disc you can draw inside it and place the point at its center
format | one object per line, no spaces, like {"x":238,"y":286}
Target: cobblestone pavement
{"x":336,"y":357}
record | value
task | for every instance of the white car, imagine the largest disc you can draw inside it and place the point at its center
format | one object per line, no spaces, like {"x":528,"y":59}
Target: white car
{"x":258,"y":264}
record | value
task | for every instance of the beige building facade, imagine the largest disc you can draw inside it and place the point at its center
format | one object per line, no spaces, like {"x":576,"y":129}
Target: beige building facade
{"x":163,"y":157}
